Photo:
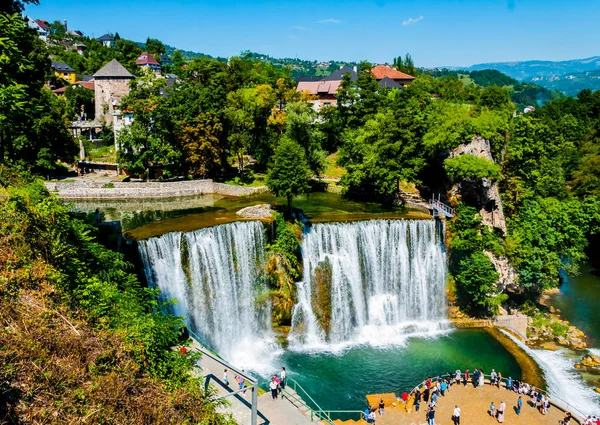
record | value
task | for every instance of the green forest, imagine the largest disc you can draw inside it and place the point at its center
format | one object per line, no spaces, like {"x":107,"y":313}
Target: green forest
{"x":79,"y":330}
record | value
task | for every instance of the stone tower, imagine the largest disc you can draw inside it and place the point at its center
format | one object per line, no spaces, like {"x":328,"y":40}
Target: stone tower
{"x":112,"y":84}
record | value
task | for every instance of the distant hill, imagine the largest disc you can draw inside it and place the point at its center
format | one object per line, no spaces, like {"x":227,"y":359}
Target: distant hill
{"x":527,"y":70}
{"x":571,"y":84}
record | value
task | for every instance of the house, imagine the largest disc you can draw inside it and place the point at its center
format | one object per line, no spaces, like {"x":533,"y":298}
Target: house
{"x":90,"y":85}
{"x":111,"y":84}
{"x":165,"y":59}
{"x":40,"y":26}
{"x":383,"y":71}
{"x":529,"y":109}
{"x":107,"y":40}
{"x":325,"y":89}
{"x":64,"y":71}
{"x":147,"y":61}
{"x":80,"y":48}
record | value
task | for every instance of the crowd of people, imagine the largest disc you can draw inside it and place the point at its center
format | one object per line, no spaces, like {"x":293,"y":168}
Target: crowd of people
{"x":429,"y":392}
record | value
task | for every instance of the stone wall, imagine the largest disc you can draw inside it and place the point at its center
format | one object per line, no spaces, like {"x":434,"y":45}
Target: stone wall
{"x":106,"y":90}
{"x":141,"y":190}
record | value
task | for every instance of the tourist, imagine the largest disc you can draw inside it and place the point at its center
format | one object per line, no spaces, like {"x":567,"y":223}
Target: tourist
{"x":404,"y":397}
{"x":431,"y":416}
{"x":466,"y":377}
{"x":443,"y":387}
{"x":457,"y":377}
{"x":366,"y":414}
{"x":492,"y":409}
{"x":429,"y":382}
{"x":372,"y":416}
{"x":546,"y":403}
{"x":481,"y":378}
{"x":241,"y":382}
{"x":475,"y":378}
{"x":538,"y":401}
{"x":499,"y":381}
{"x":519,"y":405}
{"x":532,"y":398}
{"x":381,"y":407}
{"x":283,"y":378}
{"x":273,"y":386}
{"x":225,"y":380}
{"x":456,"y":415}
{"x":509,"y":384}
{"x":567,"y":419}
{"x":501,"y":409}
{"x":426,"y":395}
{"x":493,"y":377}
{"x":417,"y":399}
{"x":434,"y":397}
{"x":589,"y":421}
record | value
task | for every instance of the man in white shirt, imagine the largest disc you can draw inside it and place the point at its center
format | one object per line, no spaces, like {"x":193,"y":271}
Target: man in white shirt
{"x":456,"y":415}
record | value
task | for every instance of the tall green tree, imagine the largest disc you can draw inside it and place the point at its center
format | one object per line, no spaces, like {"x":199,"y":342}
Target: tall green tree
{"x":300,"y":127}
{"x":290,"y":172}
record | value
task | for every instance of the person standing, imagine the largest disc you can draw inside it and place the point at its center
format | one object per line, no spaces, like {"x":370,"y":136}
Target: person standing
{"x":225,"y":380}
{"x":417,"y":399}
{"x":458,"y":375}
{"x":443,"y":387}
{"x":456,"y":415}
{"x":426,"y":395}
{"x":283,"y":375}
{"x":273,"y":386}
{"x":481,"y":378}
{"x":519,"y":405}
{"x":499,"y":379}
{"x":431,"y":416}
{"x":492,"y":410}
{"x":501,"y":410}
{"x":493,"y":377}
{"x":466,"y":377}
{"x":241,"y":382}
{"x":381,"y":407}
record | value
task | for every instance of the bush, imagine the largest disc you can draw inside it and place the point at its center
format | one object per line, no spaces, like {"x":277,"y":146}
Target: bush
{"x":470,"y":167}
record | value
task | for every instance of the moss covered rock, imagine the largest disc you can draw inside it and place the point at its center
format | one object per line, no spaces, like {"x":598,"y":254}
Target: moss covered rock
{"x":321,"y":296}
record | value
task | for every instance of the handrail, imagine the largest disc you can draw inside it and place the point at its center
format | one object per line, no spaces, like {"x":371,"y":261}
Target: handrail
{"x":566,"y":406}
{"x":204,"y":344}
{"x":324,"y":415}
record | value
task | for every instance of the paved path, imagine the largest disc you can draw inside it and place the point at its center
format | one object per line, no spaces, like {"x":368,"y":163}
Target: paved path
{"x":474,"y":404}
{"x":270,"y":412}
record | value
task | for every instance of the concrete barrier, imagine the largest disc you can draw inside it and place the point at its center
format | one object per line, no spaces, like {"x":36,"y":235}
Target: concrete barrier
{"x":142,"y":190}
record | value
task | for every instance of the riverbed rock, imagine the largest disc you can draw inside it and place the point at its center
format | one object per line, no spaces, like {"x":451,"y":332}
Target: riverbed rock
{"x":260,"y":212}
{"x":591,"y":360}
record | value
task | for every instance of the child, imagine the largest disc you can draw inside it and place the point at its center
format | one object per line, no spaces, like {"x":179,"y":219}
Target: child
{"x":492,"y":409}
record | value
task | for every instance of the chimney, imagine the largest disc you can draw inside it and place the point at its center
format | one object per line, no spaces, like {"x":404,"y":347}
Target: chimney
{"x":355,"y":68}
{"x":65,"y":24}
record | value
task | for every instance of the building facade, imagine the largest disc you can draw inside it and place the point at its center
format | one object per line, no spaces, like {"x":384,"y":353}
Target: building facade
{"x":111,"y":85}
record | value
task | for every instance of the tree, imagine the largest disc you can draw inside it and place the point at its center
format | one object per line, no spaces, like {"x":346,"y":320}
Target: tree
{"x":475,"y":285}
{"x":81,"y":100}
{"x":201,"y":143}
{"x":300,"y":127}
{"x":155,"y":47}
{"x":58,"y":31}
{"x":470,"y":167}
{"x":289,"y":173}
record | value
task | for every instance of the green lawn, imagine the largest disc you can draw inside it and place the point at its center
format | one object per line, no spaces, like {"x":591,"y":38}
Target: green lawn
{"x":332,"y":170}
{"x":102,"y":154}
{"x":258,"y":179}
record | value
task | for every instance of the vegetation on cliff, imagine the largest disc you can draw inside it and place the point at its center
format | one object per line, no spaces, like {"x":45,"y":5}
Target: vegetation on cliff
{"x":80,"y":336}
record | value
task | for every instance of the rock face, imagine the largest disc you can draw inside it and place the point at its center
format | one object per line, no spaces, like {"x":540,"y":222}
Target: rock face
{"x":260,"y":212}
{"x":321,"y":298}
{"x":508,"y":274}
{"x":484,"y":191}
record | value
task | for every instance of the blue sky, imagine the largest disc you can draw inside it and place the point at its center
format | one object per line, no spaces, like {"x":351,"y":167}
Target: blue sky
{"x":440,"y":32}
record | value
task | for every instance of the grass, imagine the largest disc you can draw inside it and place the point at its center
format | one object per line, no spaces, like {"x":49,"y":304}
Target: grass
{"x":466,"y":79}
{"x":256,"y":180}
{"x":332,"y":170}
{"x":102,"y":154}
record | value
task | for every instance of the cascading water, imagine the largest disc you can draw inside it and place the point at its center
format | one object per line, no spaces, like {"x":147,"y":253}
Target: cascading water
{"x":385,"y":279}
{"x":216,"y":276}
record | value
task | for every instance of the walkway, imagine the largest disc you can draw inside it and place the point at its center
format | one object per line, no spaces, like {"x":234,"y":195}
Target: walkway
{"x":270,"y":412}
{"x":474,"y":404}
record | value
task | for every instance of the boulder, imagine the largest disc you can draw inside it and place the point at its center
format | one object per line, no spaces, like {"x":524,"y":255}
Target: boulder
{"x":259,"y":212}
{"x":591,"y":360}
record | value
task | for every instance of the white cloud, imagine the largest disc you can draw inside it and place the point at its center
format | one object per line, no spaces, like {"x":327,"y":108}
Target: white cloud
{"x":329,"y":21}
{"x":299,"y":28}
{"x":412,"y":21}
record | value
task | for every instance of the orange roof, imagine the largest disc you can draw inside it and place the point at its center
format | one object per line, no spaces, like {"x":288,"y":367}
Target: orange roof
{"x":382,"y":71}
{"x":90,"y":85}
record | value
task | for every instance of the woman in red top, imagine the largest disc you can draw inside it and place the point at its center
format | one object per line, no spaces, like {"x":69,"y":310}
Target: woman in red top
{"x":466,"y":377}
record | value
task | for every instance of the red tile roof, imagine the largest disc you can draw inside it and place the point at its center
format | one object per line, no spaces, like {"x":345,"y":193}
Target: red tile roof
{"x":43,"y":24}
{"x":90,"y":85}
{"x":382,"y":71}
{"x":146,"y":59}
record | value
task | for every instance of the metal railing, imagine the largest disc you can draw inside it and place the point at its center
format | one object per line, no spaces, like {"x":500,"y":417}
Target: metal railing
{"x":554,"y":401}
{"x":315,"y":410}
{"x":440,"y":209}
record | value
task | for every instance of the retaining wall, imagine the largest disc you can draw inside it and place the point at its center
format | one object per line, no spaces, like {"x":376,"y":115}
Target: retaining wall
{"x":141,"y":190}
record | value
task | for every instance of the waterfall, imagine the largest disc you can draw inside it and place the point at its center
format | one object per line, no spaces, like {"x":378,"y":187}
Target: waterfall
{"x":386,"y":280}
{"x":215,"y":274}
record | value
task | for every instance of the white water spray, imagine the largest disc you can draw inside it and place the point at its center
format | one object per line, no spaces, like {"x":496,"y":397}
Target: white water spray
{"x":216,"y":276}
{"x":564,"y":383}
{"x":387,"y":282}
